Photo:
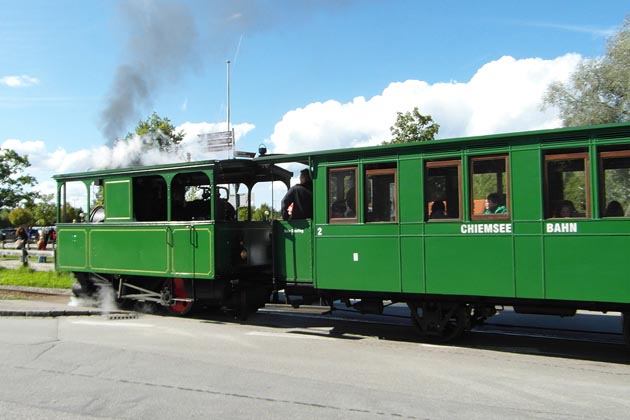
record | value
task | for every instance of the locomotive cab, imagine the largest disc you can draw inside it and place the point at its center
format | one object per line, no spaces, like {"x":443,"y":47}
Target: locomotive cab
{"x":179,"y":235}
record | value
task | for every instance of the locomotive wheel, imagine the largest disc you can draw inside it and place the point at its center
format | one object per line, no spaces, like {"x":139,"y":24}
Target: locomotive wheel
{"x":438,"y":322}
{"x":177,"y":289}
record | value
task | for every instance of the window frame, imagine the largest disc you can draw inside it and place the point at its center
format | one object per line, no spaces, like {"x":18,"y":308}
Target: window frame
{"x":506,"y":188}
{"x":601,"y":156}
{"x":444,"y":164}
{"x":382,"y":171}
{"x":549,"y":157}
{"x":342,"y":220}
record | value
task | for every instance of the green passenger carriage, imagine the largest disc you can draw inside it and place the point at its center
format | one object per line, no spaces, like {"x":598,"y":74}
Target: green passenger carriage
{"x":412,"y":223}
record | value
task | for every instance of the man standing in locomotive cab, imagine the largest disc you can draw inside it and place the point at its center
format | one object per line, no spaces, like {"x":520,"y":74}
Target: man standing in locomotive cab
{"x":298,"y":201}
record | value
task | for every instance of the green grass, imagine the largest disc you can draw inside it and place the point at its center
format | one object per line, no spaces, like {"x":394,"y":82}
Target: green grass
{"x":24,"y":276}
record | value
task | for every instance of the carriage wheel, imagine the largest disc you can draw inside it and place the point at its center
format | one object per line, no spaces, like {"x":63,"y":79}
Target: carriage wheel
{"x":176,"y":287}
{"x":438,"y":322}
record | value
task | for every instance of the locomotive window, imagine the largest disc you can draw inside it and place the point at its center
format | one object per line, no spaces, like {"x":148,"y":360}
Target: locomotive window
{"x":615,"y":184}
{"x":190,"y":196}
{"x":489,"y":187}
{"x":73,"y":198}
{"x":342,"y":195}
{"x":442,"y":190}
{"x":381,"y":195}
{"x":567,"y":189}
{"x":149,"y":198}
{"x":231,"y":202}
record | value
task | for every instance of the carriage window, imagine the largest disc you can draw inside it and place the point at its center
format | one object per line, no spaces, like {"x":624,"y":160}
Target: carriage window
{"x":489,"y":187}
{"x":342,"y":195}
{"x":381,"y":203}
{"x":149,"y":198}
{"x":190,"y":196}
{"x":615,"y":184}
{"x":566,"y":185}
{"x":442,"y":190}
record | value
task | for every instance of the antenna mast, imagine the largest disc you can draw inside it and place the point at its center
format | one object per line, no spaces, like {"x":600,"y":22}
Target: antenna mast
{"x":229,"y":129}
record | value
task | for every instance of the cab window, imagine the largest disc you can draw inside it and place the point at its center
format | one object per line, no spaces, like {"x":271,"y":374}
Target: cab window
{"x":190,"y":197}
{"x":149,"y":198}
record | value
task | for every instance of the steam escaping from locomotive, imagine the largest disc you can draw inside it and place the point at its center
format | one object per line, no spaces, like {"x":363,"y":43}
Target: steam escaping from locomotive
{"x":104,"y":298}
{"x":164,"y":42}
{"x":162,"y":39}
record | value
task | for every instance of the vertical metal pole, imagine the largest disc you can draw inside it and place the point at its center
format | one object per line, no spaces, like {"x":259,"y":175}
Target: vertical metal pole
{"x":228,"y":104}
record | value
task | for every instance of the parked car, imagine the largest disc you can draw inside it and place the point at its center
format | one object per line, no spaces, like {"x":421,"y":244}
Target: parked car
{"x":8,"y":234}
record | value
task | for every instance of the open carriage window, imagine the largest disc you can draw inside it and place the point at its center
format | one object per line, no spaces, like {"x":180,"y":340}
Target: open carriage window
{"x":567,"y":188}
{"x":489,"y":187}
{"x":381,"y":193}
{"x":614,"y":183}
{"x":342,"y":195}
{"x":442,"y":190}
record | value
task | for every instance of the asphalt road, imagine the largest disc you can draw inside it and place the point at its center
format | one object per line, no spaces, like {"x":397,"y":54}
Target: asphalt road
{"x":278,"y":366}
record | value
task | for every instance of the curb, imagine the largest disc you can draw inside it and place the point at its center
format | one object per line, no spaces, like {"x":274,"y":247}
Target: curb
{"x":55,"y":310}
{"x":40,"y":290}
{"x":49,"y":314}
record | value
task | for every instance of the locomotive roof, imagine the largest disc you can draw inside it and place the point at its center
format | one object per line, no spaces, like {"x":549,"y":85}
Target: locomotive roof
{"x":621,"y":130}
{"x":226,"y":171}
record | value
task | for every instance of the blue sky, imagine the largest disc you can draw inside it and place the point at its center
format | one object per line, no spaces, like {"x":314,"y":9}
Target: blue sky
{"x":304,"y":74}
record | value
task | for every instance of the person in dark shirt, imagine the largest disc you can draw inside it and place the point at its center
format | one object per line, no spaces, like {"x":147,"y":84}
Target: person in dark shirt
{"x":22,"y":238}
{"x":298,"y":201}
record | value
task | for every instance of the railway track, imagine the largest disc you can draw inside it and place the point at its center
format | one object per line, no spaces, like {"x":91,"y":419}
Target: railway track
{"x":402,"y":319}
{"x":396,"y":322}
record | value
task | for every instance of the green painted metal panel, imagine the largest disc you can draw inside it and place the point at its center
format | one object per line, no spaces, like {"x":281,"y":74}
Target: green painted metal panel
{"x":526,"y":179}
{"x":358,"y":263}
{"x":294,"y":251}
{"x":528,"y":267}
{"x":410,"y":185}
{"x":591,"y":267}
{"x":182,"y":252}
{"x":143,"y":250}
{"x":191,"y":254}
{"x":71,"y":248}
{"x":117,"y":198}
{"x":412,"y":264}
{"x":469,"y":265}
{"x":134,"y":250}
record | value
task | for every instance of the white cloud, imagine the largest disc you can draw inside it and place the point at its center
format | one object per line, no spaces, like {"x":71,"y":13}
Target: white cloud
{"x":18,"y":81}
{"x":504,"y":95}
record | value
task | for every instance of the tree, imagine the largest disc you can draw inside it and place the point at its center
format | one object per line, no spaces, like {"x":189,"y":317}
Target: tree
{"x":156,"y":129}
{"x":45,"y":210}
{"x":73,"y":214}
{"x":13,"y":179}
{"x":21,"y":217}
{"x":265,"y":212}
{"x":598,"y":92}
{"x":411,"y":127}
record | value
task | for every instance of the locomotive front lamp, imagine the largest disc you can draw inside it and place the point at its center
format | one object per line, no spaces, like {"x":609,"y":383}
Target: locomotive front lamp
{"x":262,"y":150}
